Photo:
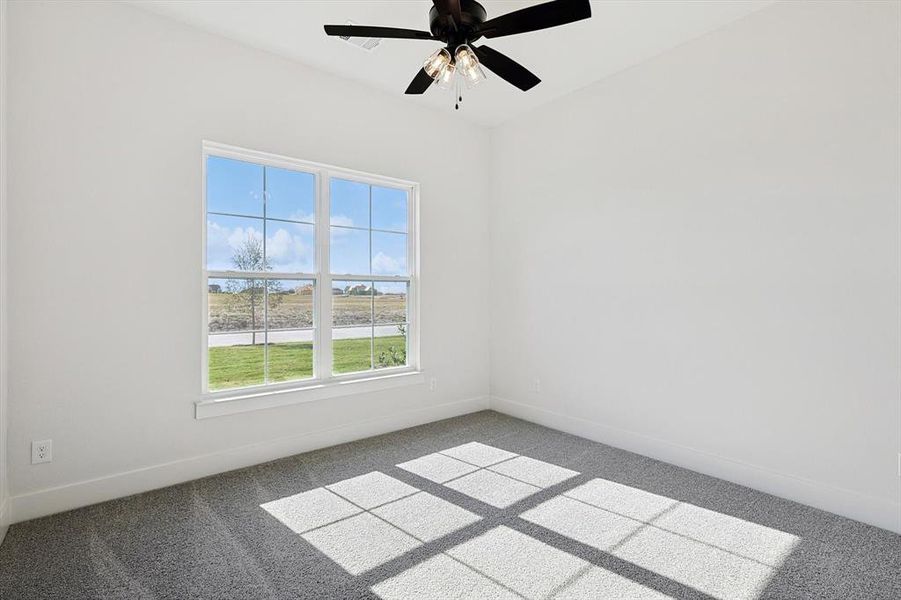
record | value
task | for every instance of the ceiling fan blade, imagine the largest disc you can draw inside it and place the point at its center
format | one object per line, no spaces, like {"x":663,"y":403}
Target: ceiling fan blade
{"x":449,"y":7}
{"x":533,"y":18}
{"x":506,"y":68}
{"x":420,"y":83}
{"x":377,"y":32}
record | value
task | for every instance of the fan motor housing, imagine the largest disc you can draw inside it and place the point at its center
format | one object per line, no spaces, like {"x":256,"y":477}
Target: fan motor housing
{"x":471,"y":13}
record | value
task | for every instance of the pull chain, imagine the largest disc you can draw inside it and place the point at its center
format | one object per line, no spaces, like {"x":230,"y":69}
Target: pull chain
{"x":458,"y":94}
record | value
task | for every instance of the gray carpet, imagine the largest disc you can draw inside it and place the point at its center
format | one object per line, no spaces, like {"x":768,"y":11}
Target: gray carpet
{"x":525,"y":512}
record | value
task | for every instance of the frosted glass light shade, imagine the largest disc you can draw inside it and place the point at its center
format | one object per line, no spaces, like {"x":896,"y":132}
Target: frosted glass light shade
{"x":446,"y":77}
{"x":468,"y":66}
{"x":436,"y":63}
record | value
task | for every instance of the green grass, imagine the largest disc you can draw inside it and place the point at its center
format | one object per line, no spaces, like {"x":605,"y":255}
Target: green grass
{"x":240,"y":366}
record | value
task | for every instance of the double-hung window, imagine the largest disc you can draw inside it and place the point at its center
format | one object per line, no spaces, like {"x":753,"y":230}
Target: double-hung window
{"x":309,"y":273}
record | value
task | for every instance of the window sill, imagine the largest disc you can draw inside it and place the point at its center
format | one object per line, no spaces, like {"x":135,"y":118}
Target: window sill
{"x":217,"y":405}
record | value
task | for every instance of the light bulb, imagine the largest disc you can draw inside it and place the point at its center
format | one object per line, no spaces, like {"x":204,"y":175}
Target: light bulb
{"x":446,"y":77}
{"x":435,"y":63}
{"x":469,"y":66}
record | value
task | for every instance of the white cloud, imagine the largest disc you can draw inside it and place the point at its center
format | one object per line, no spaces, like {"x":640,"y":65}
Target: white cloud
{"x":343,"y":221}
{"x":222,"y":241}
{"x":289,"y":252}
{"x":382,"y":263}
{"x":239,"y":236}
{"x":279,"y":245}
{"x":216,"y":234}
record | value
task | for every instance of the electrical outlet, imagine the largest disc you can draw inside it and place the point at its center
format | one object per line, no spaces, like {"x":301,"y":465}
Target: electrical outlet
{"x":433,"y":384}
{"x":41,"y":451}
{"x":536,"y":386}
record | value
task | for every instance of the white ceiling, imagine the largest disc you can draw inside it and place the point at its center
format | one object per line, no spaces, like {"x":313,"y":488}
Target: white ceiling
{"x":621,"y":33}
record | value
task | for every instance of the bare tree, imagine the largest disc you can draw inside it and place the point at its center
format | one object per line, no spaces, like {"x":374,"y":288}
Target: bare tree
{"x":248,"y":296}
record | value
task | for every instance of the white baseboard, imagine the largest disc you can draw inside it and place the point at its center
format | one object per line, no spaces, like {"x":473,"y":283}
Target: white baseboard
{"x":848,"y":503}
{"x":4,"y":518}
{"x":53,"y":500}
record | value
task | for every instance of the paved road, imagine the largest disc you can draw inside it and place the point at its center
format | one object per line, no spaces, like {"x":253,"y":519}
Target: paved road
{"x":237,"y":339}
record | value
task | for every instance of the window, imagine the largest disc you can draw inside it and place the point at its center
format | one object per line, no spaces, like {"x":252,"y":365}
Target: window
{"x":369,"y":245}
{"x":308,"y":272}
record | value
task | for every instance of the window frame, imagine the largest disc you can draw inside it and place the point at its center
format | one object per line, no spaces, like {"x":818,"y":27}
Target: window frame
{"x":322,"y":279}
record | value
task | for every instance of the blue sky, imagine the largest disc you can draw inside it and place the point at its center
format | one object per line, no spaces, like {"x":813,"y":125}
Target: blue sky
{"x":237,"y":188}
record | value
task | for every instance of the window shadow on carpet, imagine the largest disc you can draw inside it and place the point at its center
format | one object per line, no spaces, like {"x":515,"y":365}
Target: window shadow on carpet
{"x":540,"y":531}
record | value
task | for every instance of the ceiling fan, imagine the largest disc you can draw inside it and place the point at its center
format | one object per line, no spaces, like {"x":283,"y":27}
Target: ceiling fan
{"x":459,"y":23}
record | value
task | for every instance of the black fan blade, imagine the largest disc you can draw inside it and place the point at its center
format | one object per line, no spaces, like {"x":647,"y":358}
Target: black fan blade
{"x":420,"y":83}
{"x":449,"y":7}
{"x":506,"y":68}
{"x":533,"y":18}
{"x":377,"y":32}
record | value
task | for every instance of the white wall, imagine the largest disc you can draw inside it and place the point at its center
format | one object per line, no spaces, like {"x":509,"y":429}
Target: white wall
{"x":111,"y":104}
{"x":4,"y":487}
{"x":699,"y":257}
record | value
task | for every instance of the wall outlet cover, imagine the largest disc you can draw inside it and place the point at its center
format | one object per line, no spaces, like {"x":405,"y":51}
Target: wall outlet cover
{"x":41,"y":451}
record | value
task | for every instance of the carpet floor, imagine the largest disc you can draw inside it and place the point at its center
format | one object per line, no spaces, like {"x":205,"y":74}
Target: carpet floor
{"x":480,"y":506}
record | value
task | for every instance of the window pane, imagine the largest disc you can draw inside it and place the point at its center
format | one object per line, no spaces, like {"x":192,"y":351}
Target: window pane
{"x":351,"y":346}
{"x":351,"y":349}
{"x":351,"y":303}
{"x":290,"y":352}
{"x":234,"y":187}
{"x":290,"y":355}
{"x":389,"y":253}
{"x":234,"y":244}
{"x":235,"y":362}
{"x":390,"y":346}
{"x":289,"y":247}
{"x":290,"y":195}
{"x":235,"y":305}
{"x":349,"y":202}
{"x":290,"y":304}
{"x":389,"y":209}
{"x":349,"y":252}
{"x":390,"y":302}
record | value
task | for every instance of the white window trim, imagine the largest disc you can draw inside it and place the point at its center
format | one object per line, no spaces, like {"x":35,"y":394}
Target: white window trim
{"x":323,"y":384}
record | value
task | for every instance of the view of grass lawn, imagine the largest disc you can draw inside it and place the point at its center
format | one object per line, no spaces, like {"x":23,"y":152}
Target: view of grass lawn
{"x":240,"y":366}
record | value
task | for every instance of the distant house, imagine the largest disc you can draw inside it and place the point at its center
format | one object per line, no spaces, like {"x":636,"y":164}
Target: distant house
{"x":304,"y":290}
{"x":337,"y":292}
{"x":215,"y":288}
{"x":361,"y":289}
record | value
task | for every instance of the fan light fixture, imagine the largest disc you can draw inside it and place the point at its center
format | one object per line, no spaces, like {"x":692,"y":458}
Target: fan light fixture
{"x":442,"y":67}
